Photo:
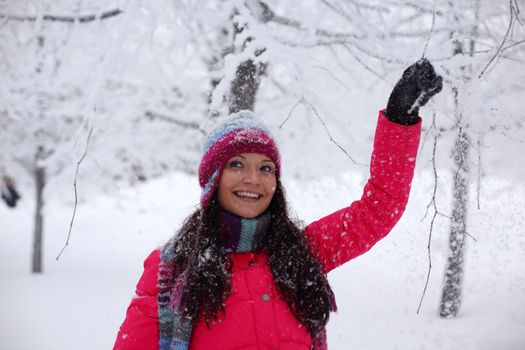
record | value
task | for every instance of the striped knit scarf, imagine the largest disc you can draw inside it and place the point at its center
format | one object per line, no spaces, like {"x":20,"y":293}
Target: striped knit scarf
{"x":239,"y":235}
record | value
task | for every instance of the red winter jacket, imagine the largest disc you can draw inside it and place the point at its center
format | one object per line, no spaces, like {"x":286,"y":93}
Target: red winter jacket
{"x":256,"y":316}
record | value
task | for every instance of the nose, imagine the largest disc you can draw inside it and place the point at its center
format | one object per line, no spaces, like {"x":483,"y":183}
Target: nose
{"x":251,"y":176}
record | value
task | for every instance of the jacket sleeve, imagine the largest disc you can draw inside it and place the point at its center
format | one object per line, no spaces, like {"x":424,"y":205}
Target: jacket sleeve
{"x":140,"y":330}
{"x":351,"y":231}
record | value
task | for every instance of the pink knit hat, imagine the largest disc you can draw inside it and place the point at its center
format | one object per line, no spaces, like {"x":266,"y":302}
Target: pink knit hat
{"x":241,"y":133}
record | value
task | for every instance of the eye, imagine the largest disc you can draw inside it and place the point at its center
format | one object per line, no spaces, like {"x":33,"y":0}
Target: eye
{"x":267,"y":169}
{"x":235,"y":164}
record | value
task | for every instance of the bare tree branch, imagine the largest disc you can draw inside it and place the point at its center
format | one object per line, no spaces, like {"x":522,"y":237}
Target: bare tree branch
{"x":434,"y":168}
{"x":265,"y":14}
{"x":302,"y":100}
{"x":330,"y":135}
{"x":520,"y":42}
{"x":366,"y":6}
{"x":432,"y":202}
{"x":291,"y":111}
{"x":76,"y":193}
{"x":430,"y":34}
{"x":514,"y":12}
{"x":415,"y":33}
{"x":418,"y":6}
{"x":478,"y":187}
{"x":338,"y":10}
{"x":188,"y":125}
{"x":429,"y":262}
{"x":333,"y":76}
{"x":380,"y":76}
{"x":408,"y":19}
{"x":62,"y":18}
{"x":392,"y":59}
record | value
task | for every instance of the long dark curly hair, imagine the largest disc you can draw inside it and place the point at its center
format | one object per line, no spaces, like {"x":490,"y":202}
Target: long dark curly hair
{"x":200,"y":253}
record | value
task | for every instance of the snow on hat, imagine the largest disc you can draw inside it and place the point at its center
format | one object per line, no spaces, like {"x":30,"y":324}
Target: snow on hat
{"x":242,"y":132}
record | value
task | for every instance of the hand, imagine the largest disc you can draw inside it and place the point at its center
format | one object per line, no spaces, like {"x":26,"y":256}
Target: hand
{"x":415,"y":88}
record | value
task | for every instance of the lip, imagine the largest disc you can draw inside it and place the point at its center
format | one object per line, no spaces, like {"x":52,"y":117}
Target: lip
{"x":248,"y":199}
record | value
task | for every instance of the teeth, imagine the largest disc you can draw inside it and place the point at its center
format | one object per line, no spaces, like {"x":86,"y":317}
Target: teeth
{"x":247,"y":194}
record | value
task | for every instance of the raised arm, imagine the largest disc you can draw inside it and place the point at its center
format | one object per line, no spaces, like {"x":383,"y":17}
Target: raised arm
{"x":353,"y":230}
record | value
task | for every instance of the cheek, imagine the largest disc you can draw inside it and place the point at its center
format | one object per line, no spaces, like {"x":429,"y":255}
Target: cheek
{"x":222,"y":191}
{"x":227,"y":181}
{"x":224,"y":197}
{"x":225,"y":186}
{"x":270,"y":188}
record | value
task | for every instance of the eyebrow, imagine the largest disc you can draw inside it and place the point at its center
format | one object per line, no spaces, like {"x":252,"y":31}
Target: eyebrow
{"x":265,"y":160}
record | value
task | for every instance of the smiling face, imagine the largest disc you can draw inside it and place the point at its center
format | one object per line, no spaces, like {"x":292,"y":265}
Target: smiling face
{"x":247,"y":185}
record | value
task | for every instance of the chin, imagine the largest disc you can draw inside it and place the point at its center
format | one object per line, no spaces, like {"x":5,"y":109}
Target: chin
{"x":248,"y":214}
{"x":244,"y":212}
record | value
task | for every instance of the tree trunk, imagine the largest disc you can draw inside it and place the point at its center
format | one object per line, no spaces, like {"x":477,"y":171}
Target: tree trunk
{"x":40,"y":180}
{"x":244,"y":87}
{"x":451,"y":294}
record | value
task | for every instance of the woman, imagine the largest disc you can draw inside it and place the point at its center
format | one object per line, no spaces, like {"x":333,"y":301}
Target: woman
{"x":240,"y":274}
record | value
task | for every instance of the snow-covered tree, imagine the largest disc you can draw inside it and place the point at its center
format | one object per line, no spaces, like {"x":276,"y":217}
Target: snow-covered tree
{"x":40,"y":116}
{"x":67,"y":89}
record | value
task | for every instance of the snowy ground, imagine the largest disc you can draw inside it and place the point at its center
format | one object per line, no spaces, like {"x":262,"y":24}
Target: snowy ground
{"x":79,"y":302}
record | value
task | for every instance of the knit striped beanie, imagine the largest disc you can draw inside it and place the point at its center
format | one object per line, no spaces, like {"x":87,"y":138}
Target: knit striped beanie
{"x":242,"y":132}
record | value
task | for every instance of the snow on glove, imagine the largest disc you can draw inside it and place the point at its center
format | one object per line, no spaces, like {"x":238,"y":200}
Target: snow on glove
{"x":417,"y":85}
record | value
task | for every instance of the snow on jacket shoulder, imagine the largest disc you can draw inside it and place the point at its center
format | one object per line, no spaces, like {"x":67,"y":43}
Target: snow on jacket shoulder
{"x":256,"y":316}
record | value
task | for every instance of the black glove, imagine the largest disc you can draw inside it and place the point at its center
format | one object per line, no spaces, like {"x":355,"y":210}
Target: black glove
{"x":417,"y":85}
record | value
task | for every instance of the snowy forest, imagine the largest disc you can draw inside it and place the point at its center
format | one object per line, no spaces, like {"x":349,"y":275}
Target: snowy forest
{"x":104,"y":106}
